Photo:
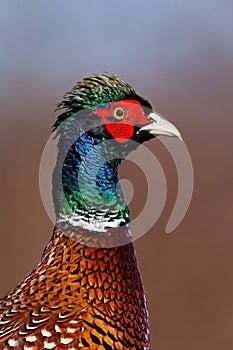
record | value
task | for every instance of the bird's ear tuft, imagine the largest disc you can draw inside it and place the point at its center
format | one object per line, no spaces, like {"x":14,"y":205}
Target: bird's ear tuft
{"x":94,"y":91}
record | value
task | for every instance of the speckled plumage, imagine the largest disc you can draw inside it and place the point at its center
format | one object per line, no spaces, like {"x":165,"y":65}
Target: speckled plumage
{"x":78,"y":297}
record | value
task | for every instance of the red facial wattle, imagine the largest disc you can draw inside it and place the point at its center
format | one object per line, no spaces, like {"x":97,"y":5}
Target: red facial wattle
{"x":122,"y":128}
{"x":121,"y":132}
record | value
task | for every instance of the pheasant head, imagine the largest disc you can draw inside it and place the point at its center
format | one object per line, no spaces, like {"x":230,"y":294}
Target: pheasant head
{"x":125,"y":114}
{"x":104,"y":120}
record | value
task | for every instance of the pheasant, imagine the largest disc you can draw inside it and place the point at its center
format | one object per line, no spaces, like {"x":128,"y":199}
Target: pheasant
{"x":87,"y":292}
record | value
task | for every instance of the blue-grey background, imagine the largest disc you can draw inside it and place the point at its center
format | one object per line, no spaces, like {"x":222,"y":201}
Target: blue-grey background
{"x":179,"y":54}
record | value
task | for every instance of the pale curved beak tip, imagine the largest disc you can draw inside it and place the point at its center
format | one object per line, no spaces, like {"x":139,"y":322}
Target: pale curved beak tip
{"x":179,"y":137}
{"x":160,"y":126}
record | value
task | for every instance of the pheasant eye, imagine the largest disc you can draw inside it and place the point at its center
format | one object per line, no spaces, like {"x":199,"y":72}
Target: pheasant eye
{"x":119,"y":113}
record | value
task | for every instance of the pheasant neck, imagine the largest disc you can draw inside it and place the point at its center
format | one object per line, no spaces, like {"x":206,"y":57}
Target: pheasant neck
{"x":86,"y":191}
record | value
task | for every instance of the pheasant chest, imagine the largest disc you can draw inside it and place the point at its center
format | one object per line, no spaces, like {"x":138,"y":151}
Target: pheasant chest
{"x":78,"y":297}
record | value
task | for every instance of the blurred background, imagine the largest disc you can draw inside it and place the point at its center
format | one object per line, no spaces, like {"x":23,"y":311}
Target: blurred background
{"x":180,"y":56}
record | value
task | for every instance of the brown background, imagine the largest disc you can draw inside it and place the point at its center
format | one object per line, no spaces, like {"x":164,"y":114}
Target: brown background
{"x":180,"y":57}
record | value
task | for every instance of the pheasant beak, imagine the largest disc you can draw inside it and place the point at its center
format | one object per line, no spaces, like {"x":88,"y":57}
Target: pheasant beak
{"x":160,"y":126}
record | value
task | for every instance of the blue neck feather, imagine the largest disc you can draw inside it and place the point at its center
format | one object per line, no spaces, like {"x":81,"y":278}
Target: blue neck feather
{"x":90,"y":186}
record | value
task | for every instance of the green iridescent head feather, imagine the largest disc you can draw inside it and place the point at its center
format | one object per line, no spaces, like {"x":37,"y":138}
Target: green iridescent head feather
{"x":94,"y":91}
